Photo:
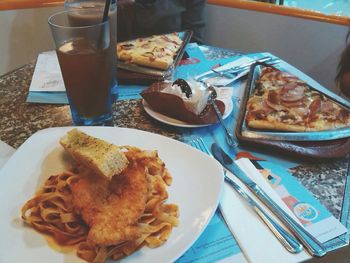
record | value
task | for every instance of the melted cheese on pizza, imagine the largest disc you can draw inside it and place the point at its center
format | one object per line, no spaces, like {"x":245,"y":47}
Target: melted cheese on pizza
{"x":281,"y":101}
{"x":155,"y":51}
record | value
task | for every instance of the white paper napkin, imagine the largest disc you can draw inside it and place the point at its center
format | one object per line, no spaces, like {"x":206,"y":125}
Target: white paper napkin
{"x":254,"y":237}
{"x":47,"y":75}
{"x":6,"y":152}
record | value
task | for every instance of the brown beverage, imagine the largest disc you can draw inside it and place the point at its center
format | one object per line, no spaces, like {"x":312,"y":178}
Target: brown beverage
{"x":90,"y":16}
{"x":76,"y":19}
{"x":88,"y":76}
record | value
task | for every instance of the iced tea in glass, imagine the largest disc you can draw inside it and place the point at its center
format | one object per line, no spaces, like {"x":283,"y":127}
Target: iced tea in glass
{"x":86,"y":54}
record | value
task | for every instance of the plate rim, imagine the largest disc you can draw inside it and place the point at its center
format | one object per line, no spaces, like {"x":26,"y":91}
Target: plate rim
{"x":177,"y":123}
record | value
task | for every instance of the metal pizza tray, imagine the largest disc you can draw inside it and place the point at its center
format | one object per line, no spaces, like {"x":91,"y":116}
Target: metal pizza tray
{"x":245,"y":133}
{"x":185,"y":36}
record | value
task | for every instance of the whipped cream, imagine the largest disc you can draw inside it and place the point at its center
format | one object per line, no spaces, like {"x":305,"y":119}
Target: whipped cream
{"x":196,"y":101}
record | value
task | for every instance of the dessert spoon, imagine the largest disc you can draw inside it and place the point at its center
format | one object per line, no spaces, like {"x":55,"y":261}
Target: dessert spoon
{"x":211,"y":100}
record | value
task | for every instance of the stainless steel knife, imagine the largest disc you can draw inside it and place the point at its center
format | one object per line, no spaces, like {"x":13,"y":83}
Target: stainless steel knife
{"x":286,"y":239}
{"x":230,"y":72}
{"x":311,"y":244}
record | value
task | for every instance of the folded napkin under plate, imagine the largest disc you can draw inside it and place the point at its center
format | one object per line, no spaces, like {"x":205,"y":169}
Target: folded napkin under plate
{"x":257,"y":242}
{"x":6,"y":152}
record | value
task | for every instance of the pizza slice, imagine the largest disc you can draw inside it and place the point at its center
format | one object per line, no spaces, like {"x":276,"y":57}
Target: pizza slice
{"x":157,"y":51}
{"x":281,"y":101}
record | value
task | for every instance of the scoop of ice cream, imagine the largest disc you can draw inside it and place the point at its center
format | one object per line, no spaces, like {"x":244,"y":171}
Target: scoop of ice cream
{"x":170,"y":101}
{"x":196,"y":101}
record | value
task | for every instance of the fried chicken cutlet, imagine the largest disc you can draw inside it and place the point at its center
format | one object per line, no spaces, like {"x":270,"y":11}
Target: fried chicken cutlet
{"x":111,"y":208}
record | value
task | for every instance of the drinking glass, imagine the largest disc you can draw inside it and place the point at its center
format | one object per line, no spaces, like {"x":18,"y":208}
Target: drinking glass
{"x":86,"y":54}
{"x":97,"y":9}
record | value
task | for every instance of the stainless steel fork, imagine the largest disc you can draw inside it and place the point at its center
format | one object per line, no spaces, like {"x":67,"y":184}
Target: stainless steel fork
{"x":286,"y":239}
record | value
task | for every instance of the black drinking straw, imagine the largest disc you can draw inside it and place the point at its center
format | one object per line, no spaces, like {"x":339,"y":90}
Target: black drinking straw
{"x":104,"y":19}
{"x":106,"y":11}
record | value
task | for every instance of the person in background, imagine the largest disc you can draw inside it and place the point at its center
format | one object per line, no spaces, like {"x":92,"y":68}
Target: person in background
{"x":343,"y":74}
{"x":141,"y":18}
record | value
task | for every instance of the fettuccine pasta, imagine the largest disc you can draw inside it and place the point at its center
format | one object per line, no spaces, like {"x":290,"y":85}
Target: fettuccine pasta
{"x":51,"y":211}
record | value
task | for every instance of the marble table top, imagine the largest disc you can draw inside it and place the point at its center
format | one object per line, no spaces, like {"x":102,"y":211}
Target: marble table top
{"x":19,"y":120}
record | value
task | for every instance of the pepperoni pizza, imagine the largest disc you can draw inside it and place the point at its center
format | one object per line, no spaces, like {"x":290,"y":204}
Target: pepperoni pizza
{"x":281,"y":101}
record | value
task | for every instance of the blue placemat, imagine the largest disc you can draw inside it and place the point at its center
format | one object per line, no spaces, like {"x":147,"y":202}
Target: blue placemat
{"x":215,"y":243}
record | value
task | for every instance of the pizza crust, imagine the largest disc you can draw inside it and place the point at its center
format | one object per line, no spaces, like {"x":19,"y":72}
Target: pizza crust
{"x":124,"y":56}
{"x":158,"y":63}
{"x":343,"y":124}
{"x":269,"y":125}
{"x":321,"y":125}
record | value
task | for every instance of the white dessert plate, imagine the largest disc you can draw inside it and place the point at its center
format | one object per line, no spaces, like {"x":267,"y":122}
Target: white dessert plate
{"x":196,"y":187}
{"x":174,"y":122}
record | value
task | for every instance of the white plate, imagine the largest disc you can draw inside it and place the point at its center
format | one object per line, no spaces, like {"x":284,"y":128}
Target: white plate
{"x":174,"y":122}
{"x":197,"y":183}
